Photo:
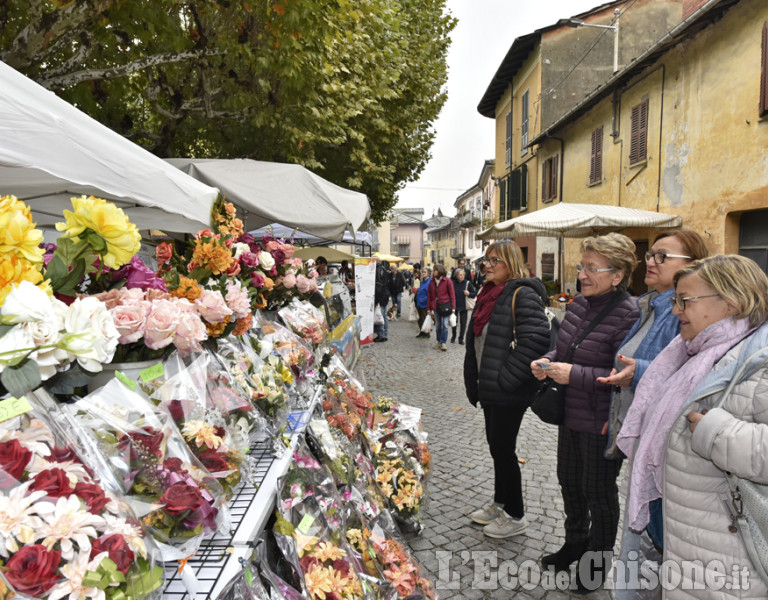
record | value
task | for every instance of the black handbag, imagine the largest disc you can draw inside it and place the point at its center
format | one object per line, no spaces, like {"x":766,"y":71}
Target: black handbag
{"x":549,"y":401}
{"x":444,"y":309}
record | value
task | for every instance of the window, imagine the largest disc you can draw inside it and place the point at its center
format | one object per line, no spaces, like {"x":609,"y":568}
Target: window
{"x":638,"y":145}
{"x":764,"y":73}
{"x":596,"y":161}
{"x":518,"y":189}
{"x":524,"y":123}
{"x":549,"y":179}
{"x":502,"y":200}
{"x":508,"y":147}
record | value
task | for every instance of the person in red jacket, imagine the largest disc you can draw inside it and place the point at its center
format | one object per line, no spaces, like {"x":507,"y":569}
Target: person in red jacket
{"x":441,"y":302}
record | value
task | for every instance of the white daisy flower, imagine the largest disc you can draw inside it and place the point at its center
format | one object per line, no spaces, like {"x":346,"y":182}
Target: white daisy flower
{"x":70,"y":524}
{"x":19,"y":517}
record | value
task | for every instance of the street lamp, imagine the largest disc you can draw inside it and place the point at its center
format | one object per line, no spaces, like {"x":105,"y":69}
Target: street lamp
{"x":614,"y":26}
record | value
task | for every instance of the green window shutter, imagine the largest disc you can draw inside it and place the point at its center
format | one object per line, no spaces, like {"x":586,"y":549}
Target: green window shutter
{"x":524,"y":187}
{"x":503,"y":200}
{"x":515,"y":190}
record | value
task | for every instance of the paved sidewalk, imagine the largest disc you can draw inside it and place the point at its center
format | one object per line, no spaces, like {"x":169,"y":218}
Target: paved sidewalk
{"x":461,"y":560}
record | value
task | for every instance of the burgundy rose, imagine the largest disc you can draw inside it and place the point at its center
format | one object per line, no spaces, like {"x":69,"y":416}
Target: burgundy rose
{"x":144,"y":443}
{"x":246,"y":238}
{"x":279,"y":256}
{"x":213,"y":461}
{"x":32,"y":570}
{"x":176,"y":409}
{"x":93,"y":496}
{"x":257,"y":279}
{"x":14,"y":458}
{"x":54,"y":482}
{"x":118,"y":550}
{"x":249,"y":260}
{"x":174,"y":465}
{"x":180,"y":498}
{"x":273,"y":271}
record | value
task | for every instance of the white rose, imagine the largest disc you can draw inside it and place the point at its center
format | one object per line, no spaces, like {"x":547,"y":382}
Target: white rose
{"x":14,"y":344}
{"x":239,"y":248}
{"x":25,"y":303}
{"x":266,"y":261}
{"x":91,"y":335}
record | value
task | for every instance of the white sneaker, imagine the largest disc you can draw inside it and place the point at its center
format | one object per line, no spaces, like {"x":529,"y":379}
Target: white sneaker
{"x":437,"y":346}
{"x":505,"y":526}
{"x":485,"y":515}
{"x":443,"y":347}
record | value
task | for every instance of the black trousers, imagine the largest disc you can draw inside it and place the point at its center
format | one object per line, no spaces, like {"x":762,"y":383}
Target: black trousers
{"x":462,"y":325}
{"x":422,"y":315}
{"x":588,"y":483}
{"x":502,"y":424}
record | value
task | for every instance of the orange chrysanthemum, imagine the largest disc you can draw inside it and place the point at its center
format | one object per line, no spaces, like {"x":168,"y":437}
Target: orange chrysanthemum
{"x":243,"y":325}
{"x":213,"y":255}
{"x":188,"y":288}
{"x":216,"y":329}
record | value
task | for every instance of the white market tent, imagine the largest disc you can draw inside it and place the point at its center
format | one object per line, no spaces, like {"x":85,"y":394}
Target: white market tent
{"x":282,"y":193}
{"x":51,"y":151}
{"x":362,"y":238}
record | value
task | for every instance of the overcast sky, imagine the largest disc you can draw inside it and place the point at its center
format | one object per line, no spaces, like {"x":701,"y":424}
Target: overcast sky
{"x":464,"y":139}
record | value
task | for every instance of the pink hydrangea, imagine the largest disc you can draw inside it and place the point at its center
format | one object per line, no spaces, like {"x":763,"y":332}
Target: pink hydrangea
{"x":161,"y":324}
{"x":212,"y":306}
{"x":237,"y":299}
{"x":303,"y":284}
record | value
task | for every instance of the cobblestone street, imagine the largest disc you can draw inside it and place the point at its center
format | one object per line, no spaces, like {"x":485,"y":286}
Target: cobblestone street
{"x":411,"y":371}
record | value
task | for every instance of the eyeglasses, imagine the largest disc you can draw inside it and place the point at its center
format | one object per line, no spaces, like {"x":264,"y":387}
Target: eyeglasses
{"x":680,"y":302}
{"x":592,"y":270}
{"x":660,"y":257}
{"x":494,"y":260}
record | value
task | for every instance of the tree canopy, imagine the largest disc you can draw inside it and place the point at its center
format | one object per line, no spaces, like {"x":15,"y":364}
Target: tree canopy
{"x":347,"y":88}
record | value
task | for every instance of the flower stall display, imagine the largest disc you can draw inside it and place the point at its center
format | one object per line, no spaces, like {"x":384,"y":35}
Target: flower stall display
{"x":306,"y":321}
{"x":63,"y":535}
{"x":139,"y":451}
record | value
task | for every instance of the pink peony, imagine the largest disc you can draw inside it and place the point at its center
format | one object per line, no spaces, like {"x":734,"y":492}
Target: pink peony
{"x":289,"y":281}
{"x":257,"y":280}
{"x":250,"y":260}
{"x":237,"y":299}
{"x":303,"y":284}
{"x":296,"y":263}
{"x":313,"y":274}
{"x":190,"y":331}
{"x":212,"y":306}
{"x":130,"y":320}
{"x":161,"y":324}
{"x":272,"y":245}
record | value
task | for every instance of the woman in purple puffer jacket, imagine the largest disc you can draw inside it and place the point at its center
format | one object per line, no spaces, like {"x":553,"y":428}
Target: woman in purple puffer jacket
{"x":588,"y":479}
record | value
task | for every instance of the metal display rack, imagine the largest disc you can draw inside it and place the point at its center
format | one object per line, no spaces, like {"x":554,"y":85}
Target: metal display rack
{"x":218,"y":560}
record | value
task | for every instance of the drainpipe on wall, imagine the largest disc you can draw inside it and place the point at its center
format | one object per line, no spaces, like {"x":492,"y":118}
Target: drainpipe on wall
{"x":561,"y":247}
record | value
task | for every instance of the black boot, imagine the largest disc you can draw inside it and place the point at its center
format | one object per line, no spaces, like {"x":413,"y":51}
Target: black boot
{"x":592,"y":571}
{"x":563,"y":558}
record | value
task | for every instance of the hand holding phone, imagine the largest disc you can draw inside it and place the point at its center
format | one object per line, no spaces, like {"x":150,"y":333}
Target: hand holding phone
{"x":542,"y":364}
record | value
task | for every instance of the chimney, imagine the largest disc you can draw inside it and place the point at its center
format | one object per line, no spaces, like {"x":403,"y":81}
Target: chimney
{"x":691,"y":6}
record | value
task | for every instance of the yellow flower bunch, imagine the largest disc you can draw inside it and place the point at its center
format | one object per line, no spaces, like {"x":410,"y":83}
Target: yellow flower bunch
{"x":188,"y":288}
{"x":14,"y":270}
{"x":120,"y":236}
{"x":18,"y":236}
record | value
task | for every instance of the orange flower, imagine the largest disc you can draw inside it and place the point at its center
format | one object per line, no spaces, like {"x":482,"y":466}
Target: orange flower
{"x":213,"y":255}
{"x":216,"y":329}
{"x":259,"y":302}
{"x":243,"y":325}
{"x":268,"y":283}
{"x":188,"y":288}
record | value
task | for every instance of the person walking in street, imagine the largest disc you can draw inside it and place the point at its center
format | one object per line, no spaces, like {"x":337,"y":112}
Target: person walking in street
{"x":478,"y":279}
{"x":588,"y":479}
{"x":441,"y":302}
{"x":682,"y":435}
{"x":462,"y":290}
{"x":461,"y":265}
{"x":508,"y":329}
{"x":421,"y":297}
{"x":396,"y":287}
{"x":381,"y":299}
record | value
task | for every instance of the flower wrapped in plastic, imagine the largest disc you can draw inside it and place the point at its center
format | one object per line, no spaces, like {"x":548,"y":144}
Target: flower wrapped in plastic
{"x":306,"y":321}
{"x":246,"y":585}
{"x":63,"y":535}
{"x":138,"y":449}
{"x":288,"y":346}
{"x":332,"y":448}
{"x":346,"y":405}
{"x":403,"y":425}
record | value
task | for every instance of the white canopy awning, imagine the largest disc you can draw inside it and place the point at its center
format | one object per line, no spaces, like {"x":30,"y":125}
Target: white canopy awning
{"x":51,"y":151}
{"x":282,"y":193}
{"x":362,"y":238}
{"x":578,"y":220}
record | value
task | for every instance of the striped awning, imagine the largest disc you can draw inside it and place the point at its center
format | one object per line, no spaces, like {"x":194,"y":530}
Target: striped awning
{"x":578,"y":220}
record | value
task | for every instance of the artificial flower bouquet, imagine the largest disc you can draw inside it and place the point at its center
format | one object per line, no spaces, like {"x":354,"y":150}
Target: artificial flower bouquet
{"x":139,"y":450}
{"x":403,"y":425}
{"x":332,"y":448}
{"x":63,"y":535}
{"x":346,"y":405}
{"x":288,"y":346}
{"x":306,"y":321}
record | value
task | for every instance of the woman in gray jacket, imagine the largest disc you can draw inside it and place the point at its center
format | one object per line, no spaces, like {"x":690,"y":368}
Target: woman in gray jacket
{"x":680,"y":446}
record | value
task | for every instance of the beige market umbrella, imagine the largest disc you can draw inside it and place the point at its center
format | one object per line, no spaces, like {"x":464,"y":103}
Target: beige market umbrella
{"x":388,"y":257}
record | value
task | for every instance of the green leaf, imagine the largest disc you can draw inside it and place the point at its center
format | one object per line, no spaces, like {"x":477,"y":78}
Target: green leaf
{"x":96,"y":242}
{"x":22,"y":378}
{"x":5,"y":329}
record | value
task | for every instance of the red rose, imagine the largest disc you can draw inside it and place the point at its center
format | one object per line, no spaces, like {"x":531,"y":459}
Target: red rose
{"x":142,"y":443}
{"x":14,"y":458}
{"x":118,"y":550}
{"x":176,"y":409}
{"x":234,"y":269}
{"x":180,"y":497}
{"x":174,"y":465}
{"x":62,"y":454}
{"x":54,"y":482}
{"x":32,"y":570}
{"x":163,"y":252}
{"x":213,"y":461}
{"x":93,"y":496}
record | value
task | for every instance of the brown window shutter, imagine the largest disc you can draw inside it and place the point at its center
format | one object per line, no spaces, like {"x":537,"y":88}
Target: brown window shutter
{"x":598,"y":151}
{"x":638,"y":143}
{"x":553,"y":191}
{"x":545,"y":180}
{"x":592,"y":155}
{"x":764,"y":72}
{"x":643,"y":134}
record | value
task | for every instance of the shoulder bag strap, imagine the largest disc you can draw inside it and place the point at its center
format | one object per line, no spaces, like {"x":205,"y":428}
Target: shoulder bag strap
{"x":594,"y":323}
{"x":513,"y":343}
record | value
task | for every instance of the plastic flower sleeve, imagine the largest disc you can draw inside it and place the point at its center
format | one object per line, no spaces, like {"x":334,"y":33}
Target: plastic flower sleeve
{"x":138,"y":449}
{"x":332,"y":448}
{"x":286,"y":344}
{"x":63,"y":534}
{"x":279,"y":575}
{"x":246,"y":585}
{"x":306,"y":321}
{"x":346,"y":405}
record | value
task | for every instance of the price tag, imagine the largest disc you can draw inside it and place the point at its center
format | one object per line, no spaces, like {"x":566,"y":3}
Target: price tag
{"x":125,"y":380}
{"x":151,"y":373}
{"x":306,"y":523}
{"x":13,"y":407}
{"x":248,"y":576}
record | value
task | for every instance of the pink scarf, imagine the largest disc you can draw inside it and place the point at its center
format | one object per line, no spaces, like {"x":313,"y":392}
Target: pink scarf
{"x":660,"y":397}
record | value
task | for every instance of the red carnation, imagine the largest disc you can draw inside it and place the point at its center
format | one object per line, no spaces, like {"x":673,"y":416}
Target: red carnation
{"x":32,"y":570}
{"x":93,"y":496}
{"x":54,"y":482}
{"x":180,"y":497}
{"x":14,"y":458}
{"x":117,"y":549}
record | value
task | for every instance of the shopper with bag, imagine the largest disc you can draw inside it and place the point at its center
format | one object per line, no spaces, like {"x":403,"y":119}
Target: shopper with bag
{"x":508,"y":328}
{"x":464,"y":291}
{"x":381,"y":298}
{"x":605,"y":312}
{"x":441,"y":303}
{"x":687,"y":437}
{"x":421,"y":296}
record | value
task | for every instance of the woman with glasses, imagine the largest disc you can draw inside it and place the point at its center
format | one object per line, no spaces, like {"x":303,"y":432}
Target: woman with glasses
{"x":588,"y":479}
{"x":507,"y":330}
{"x":680,"y":446}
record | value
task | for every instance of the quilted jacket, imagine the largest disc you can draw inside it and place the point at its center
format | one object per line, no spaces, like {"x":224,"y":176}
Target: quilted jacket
{"x":587,"y":402}
{"x":504,"y":374}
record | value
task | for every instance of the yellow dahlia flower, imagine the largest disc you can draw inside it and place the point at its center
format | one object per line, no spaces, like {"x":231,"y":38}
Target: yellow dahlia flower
{"x":14,"y":270}
{"x":18,"y":235}
{"x":109,"y":222}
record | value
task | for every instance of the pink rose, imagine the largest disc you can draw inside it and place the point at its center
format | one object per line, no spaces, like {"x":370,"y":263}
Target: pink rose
{"x":296,"y":263}
{"x":272,"y":245}
{"x":212,"y":306}
{"x":287,"y":250}
{"x":130,"y":320}
{"x":313,"y":274}
{"x":289,"y":281}
{"x":303,"y":284}
{"x":257,"y":280}
{"x":161,"y":324}
{"x":313,"y":285}
{"x":237,"y":299}
{"x":250,"y":260}
{"x":190,"y":331}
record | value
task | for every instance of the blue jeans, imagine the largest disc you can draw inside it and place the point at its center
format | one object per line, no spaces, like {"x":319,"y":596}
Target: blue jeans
{"x":441,"y":324}
{"x":382,"y":330}
{"x":396,"y":301}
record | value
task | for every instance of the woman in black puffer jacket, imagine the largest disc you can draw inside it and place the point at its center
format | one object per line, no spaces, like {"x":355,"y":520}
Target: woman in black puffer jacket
{"x":500,"y":347}
{"x":588,"y":479}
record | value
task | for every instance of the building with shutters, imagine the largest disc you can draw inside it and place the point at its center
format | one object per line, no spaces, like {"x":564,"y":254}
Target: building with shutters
{"x":543,"y":76}
{"x":406,"y":234}
{"x":474,"y":212}
{"x":682,"y":130}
